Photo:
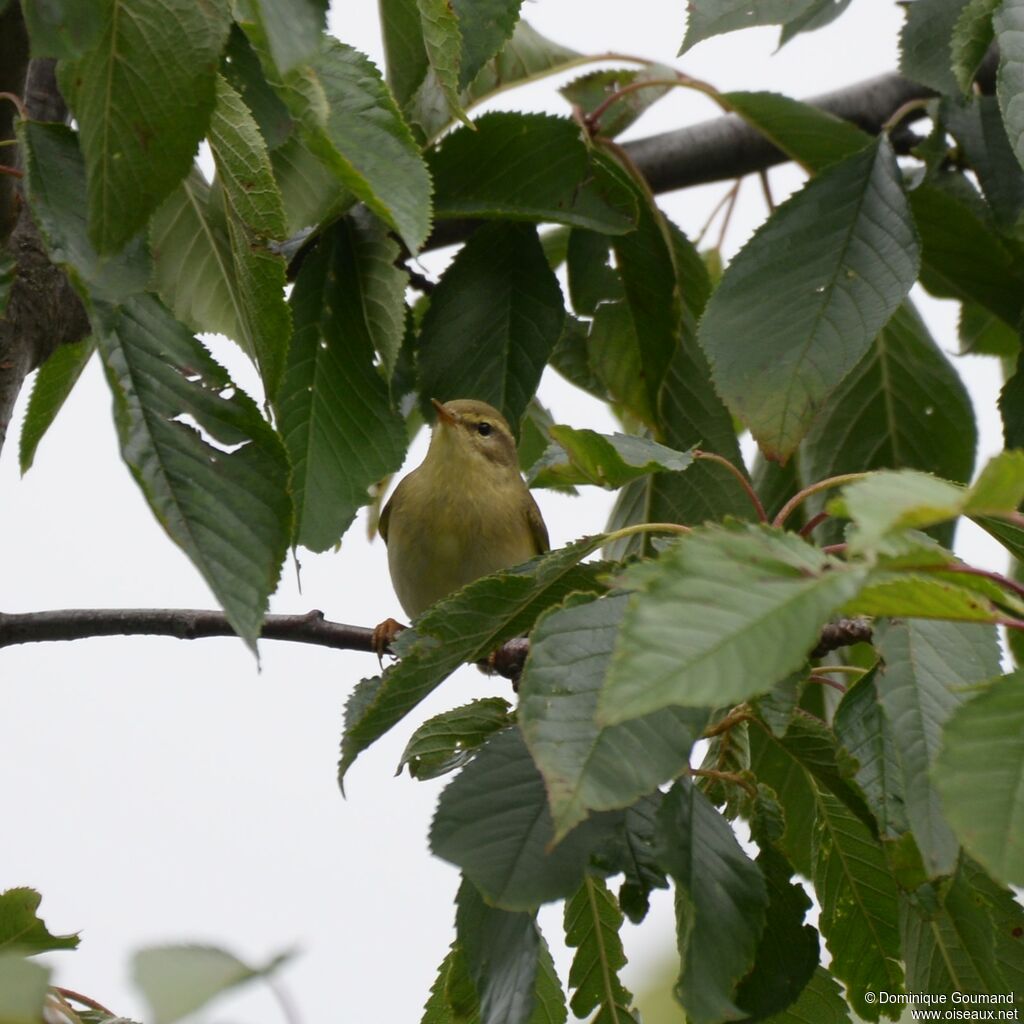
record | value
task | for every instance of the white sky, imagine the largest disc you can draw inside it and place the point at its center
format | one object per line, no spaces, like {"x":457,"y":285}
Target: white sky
{"x":165,"y":791}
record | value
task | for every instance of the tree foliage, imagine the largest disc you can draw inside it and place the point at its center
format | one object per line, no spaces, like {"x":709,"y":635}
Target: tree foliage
{"x":889,"y":775}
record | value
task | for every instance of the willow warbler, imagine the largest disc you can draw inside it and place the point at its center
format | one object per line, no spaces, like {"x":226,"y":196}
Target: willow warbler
{"x":464,"y":512}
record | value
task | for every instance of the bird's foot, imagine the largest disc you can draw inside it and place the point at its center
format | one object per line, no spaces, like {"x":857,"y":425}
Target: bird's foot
{"x":383,"y":635}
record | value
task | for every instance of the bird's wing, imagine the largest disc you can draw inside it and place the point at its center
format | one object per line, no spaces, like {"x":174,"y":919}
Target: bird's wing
{"x":537,"y":526}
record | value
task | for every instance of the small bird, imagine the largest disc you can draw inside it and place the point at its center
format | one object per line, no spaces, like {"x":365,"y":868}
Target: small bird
{"x":463,"y":513}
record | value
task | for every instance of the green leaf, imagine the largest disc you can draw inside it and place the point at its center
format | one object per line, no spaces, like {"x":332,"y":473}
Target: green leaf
{"x":22,"y":931}
{"x":818,"y":15}
{"x":149,"y":82}
{"x":527,"y":167}
{"x":821,"y":1002}
{"x":859,"y":906}
{"x":60,"y":29}
{"x":616,"y":359}
{"x":178,"y":980}
{"x":403,"y":47}
{"x":902,"y":406}
{"x":212,"y":469}
{"x":335,"y":413}
{"x":241,"y":67}
{"x":465,"y":627}
{"x":55,"y":178}
{"x":493,"y":320}
{"x":980,"y":774}
{"x":448,"y":740}
{"x":925,"y":43}
{"x":962,"y":257}
{"x":493,"y":822}
{"x":721,"y":901}
{"x":632,"y":852}
{"x":591,"y":280}
{"x":23,"y":987}
{"x":916,"y":595}
{"x":592,"y":924}
{"x":999,"y":487}
{"x":451,"y":977}
{"x":501,"y":949}
{"x":983,"y":333}
{"x":607,"y":460}
{"x":1011,"y":406}
{"x":310,"y":192}
{"x":590,"y":91}
{"x":851,"y":258}
{"x":352,"y":123}
{"x":707,"y":18}
{"x":53,"y":383}
{"x":485,"y":26}
{"x":813,"y":137}
{"x":722,"y":616}
{"x":442,"y":43}
{"x":290,"y":30}
{"x":972,"y":36}
{"x":586,"y":767}
{"x":1009,"y":30}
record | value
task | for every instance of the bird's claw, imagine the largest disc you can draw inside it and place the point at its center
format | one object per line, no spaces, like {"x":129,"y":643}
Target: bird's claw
{"x":384,"y":634}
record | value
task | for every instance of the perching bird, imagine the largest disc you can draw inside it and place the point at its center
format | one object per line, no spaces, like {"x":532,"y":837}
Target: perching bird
{"x":465,"y":512}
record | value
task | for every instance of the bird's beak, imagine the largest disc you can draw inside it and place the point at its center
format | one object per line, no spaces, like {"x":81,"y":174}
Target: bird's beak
{"x":444,"y":415}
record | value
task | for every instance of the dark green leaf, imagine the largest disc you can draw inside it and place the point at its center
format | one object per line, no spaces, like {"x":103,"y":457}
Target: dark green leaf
{"x":972,"y":36}
{"x":442,"y":43}
{"x":818,"y":15}
{"x":708,"y":18}
{"x":985,"y":334}
{"x":859,"y":906}
{"x":148,"y":83}
{"x":53,"y":383}
{"x":1011,"y":407}
{"x":980,"y":774}
{"x":444,"y":1005}
{"x":592,"y":924}
{"x":925,"y":54}
{"x":177,"y":980}
{"x":335,"y":412}
{"x":722,"y":616}
{"x":22,"y":930}
{"x":493,"y":822}
{"x":527,"y":167}
{"x":591,"y":280}
{"x":821,"y":1002}
{"x":632,"y":852}
{"x":721,"y":901}
{"x":61,"y":29}
{"x":586,"y":767}
{"x":467,"y":626}
{"x":448,"y":740}
{"x":606,"y":460}
{"x":241,"y":67}
{"x":593,"y":89}
{"x":493,"y":321}
{"x":310,"y":191}
{"x":851,"y":257}
{"x":616,"y":359}
{"x":501,"y":949}
{"x":213,"y":471}
{"x":1009,"y":28}
{"x":403,"y":47}
{"x":290,"y":29}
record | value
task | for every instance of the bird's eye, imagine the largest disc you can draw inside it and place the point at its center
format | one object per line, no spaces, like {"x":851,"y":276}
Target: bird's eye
{"x":483,"y":429}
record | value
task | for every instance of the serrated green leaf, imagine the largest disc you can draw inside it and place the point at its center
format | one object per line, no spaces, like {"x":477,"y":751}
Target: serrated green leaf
{"x":527,"y":167}
{"x":902,"y":406}
{"x":335,"y":413}
{"x":22,"y":930}
{"x":23,"y":987}
{"x":925,"y":43}
{"x":241,"y":67}
{"x":985,"y":334}
{"x":586,"y":767}
{"x":448,"y":740}
{"x":406,"y":58}
{"x":55,"y":179}
{"x":915,"y":595}
{"x":821,"y":1002}
{"x":148,"y":82}
{"x":707,"y":18}
{"x":493,"y":320}
{"x":592,"y":90}
{"x":310,"y":193}
{"x":485,"y":26}
{"x":493,"y":822}
{"x":439,"y":1008}
{"x":442,"y":43}
{"x":501,"y":949}
{"x":592,"y":924}
{"x":591,"y":280}
{"x":57,"y":29}
{"x":859,"y":906}
{"x":818,"y":15}
{"x":1011,"y":404}
{"x":1008,"y":21}
{"x":972,"y":36}
{"x":606,"y":460}
{"x":705,"y":627}
{"x":177,"y":980}
{"x":632,"y":852}
{"x":467,"y":626}
{"x":290,"y":30}
{"x":852,"y":256}
{"x":212,"y":469}
{"x":721,"y":901}
{"x":53,"y":383}
{"x":999,"y":487}
{"x":980,"y":774}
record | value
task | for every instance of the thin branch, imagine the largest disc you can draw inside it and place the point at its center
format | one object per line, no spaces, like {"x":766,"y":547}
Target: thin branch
{"x":842,"y":633}
{"x":77,"y":997}
{"x":822,"y":485}
{"x":808,"y":528}
{"x":740,"y":476}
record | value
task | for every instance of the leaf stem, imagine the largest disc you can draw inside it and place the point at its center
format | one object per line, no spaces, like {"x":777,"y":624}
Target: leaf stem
{"x":740,"y":476}
{"x":738,"y":715}
{"x":77,"y":997}
{"x":822,"y":485}
{"x":902,"y":111}
{"x":17,"y":101}
{"x":815,"y":677}
{"x":737,"y":780}
{"x":973,"y":570}
{"x":593,"y":119}
{"x":814,"y":521}
{"x":629,"y":531}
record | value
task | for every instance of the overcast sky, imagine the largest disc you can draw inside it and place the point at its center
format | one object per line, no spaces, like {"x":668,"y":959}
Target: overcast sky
{"x":166,"y":791}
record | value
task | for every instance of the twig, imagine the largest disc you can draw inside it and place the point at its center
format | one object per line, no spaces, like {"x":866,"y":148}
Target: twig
{"x":740,"y":476}
{"x":822,"y":485}
{"x":842,"y":633}
{"x":814,"y":521}
{"x":738,"y":780}
{"x":815,"y":677}
{"x":77,"y":997}
{"x":727,"y":217}
{"x":593,"y":119}
{"x":766,"y":188}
